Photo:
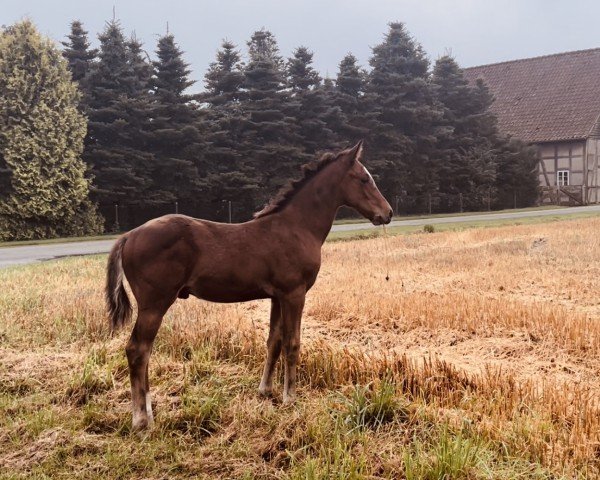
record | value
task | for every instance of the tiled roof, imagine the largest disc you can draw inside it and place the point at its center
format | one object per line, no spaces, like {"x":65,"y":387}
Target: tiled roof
{"x":545,"y":99}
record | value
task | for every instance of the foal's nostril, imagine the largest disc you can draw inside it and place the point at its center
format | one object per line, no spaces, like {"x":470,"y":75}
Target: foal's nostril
{"x":378,"y":220}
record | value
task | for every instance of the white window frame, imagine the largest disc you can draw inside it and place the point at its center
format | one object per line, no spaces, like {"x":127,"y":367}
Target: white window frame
{"x":563,"y":178}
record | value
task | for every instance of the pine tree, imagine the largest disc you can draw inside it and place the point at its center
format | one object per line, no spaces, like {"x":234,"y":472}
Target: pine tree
{"x":171,"y":72}
{"x":140,"y":68}
{"x":119,"y":113}
{"x":475,"y":160}
{"x":350,"y":79}
{"x":224,"y":78}
{"x":301,"y":74}
{"x":230,"y":176}
{"x":517,"y":176}
{"x":44,"y":184}
{"x":270,"y":139}
{"x":401,"y":115}
{"x":465,"y":144}
{"x":77,"y":51}
{"x":349,"y":89}
{"x":308,"y":104}
{"x":175,"y":136}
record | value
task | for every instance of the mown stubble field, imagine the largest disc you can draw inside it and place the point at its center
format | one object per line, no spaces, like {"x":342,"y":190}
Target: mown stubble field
{"x":479,"y":358}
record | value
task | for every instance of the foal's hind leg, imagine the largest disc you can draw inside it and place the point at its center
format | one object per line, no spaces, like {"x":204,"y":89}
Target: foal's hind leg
{"x":138,"y":351}
{"x":273,"y":349}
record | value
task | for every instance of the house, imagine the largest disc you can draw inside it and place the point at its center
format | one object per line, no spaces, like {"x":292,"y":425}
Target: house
{"x":552,"y":102}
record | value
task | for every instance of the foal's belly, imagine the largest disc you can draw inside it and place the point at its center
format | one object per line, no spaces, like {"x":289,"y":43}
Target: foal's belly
{"x":228,"y":296}
{"x":227,"y":290}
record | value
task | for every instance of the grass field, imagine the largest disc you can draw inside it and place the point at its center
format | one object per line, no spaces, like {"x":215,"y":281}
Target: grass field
{"x":365,"y":234}
{"x":479,"y":358}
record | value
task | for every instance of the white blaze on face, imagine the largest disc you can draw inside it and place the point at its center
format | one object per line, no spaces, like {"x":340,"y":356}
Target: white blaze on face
{"x":368,"y":173}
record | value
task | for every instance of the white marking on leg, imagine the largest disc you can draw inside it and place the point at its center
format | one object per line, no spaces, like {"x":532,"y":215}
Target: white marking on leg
{"x":140,"y":420}
{"x":149,"y":409}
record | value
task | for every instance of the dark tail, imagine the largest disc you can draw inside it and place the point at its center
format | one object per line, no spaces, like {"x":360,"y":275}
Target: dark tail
{"x":117,"y":301}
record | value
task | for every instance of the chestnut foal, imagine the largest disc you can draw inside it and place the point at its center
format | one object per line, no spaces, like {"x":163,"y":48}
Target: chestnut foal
{"x":275,"y":255}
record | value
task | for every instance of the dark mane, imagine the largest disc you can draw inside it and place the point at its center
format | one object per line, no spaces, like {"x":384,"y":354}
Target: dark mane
{"x":289,"y":190}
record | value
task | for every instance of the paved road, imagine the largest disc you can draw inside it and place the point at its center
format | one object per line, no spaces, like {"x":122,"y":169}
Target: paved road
{"x":37,"y":253}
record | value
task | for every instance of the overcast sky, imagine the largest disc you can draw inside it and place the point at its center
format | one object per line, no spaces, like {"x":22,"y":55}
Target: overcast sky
{"x":474,"y":31}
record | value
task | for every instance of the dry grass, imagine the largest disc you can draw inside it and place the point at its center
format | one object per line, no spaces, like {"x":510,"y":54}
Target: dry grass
{"x":478,"y":359}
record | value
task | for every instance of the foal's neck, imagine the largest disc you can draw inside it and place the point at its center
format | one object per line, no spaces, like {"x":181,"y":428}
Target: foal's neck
{"x":314,"y":207}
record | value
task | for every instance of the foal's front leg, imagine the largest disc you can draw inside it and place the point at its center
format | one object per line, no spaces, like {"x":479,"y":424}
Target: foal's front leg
{"x":291,"y":313}
{"x":273,"y":349}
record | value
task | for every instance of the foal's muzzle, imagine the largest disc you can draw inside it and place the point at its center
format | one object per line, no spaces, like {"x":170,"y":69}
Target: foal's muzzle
{"x":381,"y":219}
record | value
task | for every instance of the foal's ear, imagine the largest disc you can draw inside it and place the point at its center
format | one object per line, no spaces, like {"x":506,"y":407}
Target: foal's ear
{"x":355,"y":153}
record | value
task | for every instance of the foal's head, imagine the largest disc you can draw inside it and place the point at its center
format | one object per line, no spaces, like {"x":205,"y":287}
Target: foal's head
{"x":359,"y":191}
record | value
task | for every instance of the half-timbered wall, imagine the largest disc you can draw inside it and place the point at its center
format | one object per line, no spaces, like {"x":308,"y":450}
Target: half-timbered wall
{"x":568,"y":171}
{"x":560,"y":157}
{"x":592,"y":150}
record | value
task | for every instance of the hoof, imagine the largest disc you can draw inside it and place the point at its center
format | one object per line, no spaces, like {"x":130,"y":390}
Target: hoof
{"x":265,"y":392}
{"x":289,"y":399}
{"x":141,"y":424}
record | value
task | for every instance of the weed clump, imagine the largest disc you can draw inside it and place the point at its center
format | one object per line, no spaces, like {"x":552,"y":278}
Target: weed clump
{"x":446,"y":455}
{"x":371,"y":406}
{"x":196,"y":415}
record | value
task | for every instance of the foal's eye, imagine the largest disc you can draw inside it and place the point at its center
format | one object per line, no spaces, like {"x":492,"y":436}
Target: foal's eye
{"x":364,"y":180}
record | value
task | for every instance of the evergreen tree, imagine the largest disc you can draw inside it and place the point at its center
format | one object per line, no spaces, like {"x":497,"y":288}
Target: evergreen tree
{"x":308,"y":104}
{"x":350,"y":79}
{"x":271,"y":144}
{"x":174,"y":133}
{"x":401,"y":116}
{"x":77,"y":52}
{"x":517,"y":181}
{"x":475,"y":160}
{"x":349,"y":88}
{"x":301,"y":74}
{"x":140,"y":68}
{"x":119,"y":113}
{"x":465,"y":143}
{"x":44,"y":186}
{"x":328,"y":84}
{"x":171,"y":72}
{"x":230,"y":176}
{"x":224,"y":78}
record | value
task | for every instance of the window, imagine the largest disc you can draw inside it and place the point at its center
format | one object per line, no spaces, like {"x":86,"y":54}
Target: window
{"x":562,"y":178}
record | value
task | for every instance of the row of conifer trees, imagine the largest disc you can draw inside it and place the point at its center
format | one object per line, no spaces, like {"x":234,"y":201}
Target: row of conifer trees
{"x":428,"y":133}
{"x":151,"y":144}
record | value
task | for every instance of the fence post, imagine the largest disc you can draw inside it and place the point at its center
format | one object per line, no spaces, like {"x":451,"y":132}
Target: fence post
{"x":116,"y":227}
{"x":429,"y":196}
{"x":229,"y":211}
{"x":515,"y":199}
{"x":460,"y":199}
{"x":176,"y":207}
{"x":489,"y":198}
